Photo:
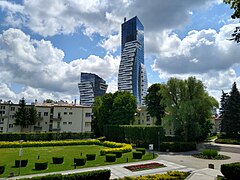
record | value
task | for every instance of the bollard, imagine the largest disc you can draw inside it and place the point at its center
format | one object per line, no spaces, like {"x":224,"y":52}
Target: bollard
{"x":38,"y":156}
{"x":211,"y":166}
{"x":75,"y":165}
{"x":81,"y":153}
{"x":127,"y":159}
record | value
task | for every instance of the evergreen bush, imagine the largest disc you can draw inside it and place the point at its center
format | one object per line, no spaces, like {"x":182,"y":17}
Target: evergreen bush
{"x":2,"y":168}
{"x":80,"y":161}
{"x":110,"y":157}
{"x":41,"y":165}
{"x":118,"y":154}
{"x":57,"y":160}
{"x":210,"y":153}
{"x":231,"y":171}
{"x":143,"y":150}
{"x":177,"y":146}
{"x":24,"y":163}
{"x":91,"y":157}
{"x":137,"y":155}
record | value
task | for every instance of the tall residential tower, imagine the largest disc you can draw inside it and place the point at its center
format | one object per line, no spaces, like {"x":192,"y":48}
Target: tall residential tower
{"x":91,"y":86}
{"x":132,"y":76}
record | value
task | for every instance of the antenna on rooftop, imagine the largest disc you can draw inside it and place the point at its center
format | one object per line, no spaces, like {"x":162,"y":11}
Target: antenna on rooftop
{"x":125,"y":19}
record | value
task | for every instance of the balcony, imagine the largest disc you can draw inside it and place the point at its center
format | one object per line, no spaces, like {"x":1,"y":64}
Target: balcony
{"x":37,"y":128}
{"x":55,"y":118}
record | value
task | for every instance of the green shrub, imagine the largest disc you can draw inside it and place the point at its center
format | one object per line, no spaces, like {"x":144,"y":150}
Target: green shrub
{"x":57,"y":160}
{"x":80,"y":161}
{"x":143,"y":150}
{"x":90,"y":175}
{"x":231,"y":171}
{"x":177,"y":146}
{"x":91,"y":157}
{"x":137,"y":155}
{"x":118,"y":154}
{"x":228,"y":141}
{"x":210,"y":153}
{"x":110,"y":157}
{"x":24,"y":163}
{"x":41,"y":165}
{"x":2,"y":168}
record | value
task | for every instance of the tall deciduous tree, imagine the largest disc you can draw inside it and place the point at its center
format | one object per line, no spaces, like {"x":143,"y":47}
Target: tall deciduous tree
{"x":113,"y":109}
{"x":231,"y":115}
{"x":153,"y":101}
{"x":25,"y":116}
{"x":188,"y":108}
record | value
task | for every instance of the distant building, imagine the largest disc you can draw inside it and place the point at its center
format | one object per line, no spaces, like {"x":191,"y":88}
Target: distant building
{"x":52,"y":117}
{"x":132,"y":76}
{"x":91,"y":86}
{"x":143,"y":118}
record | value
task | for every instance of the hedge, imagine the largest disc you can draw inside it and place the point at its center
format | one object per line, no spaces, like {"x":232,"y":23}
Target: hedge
{"x":79,"y":161}
{"x":91,"y":157}
{"x":110,"y":157}
{"x":137,"y":155}
{"x":57,"y":160}
{"x":41,"y":165}
{"x":231,"y":171}
{"x":134,"y":134}
{"x":99,"y":174}
{"x":2,"y":168}
{"x":118,"y":154}
{"x":115,"y":147}
{"x":178,"y":146}
{"x":24,"y":163}
{"x":143,"y":150}
{"x":49,"y":136}
{"x":48,"y":143}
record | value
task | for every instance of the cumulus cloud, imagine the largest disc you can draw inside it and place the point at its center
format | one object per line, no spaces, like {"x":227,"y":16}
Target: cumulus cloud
{"x":39,"y":66}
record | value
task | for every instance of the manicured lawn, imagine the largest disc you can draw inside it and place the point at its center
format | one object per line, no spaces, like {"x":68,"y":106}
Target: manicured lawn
{"x":9,"y":155}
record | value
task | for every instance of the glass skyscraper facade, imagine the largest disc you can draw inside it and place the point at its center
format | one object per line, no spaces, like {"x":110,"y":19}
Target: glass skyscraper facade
{"x":132,"y":76}
{"x":91,"y":86}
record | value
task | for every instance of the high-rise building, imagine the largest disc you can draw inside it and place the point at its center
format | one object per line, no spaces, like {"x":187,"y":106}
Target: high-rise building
{"x":91,"y":86}
{"x":132,"y":76}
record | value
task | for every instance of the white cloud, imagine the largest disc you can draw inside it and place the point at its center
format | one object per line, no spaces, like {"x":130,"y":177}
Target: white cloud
{"x":40,"y":68}
{"x":111,"y":43}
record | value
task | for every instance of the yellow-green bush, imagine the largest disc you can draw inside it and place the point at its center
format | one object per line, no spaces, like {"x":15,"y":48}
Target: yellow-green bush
{"x":48,"y":143}
{"x":115,"y":147}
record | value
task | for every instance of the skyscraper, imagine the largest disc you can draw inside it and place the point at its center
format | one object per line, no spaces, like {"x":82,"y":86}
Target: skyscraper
{"x":132,"y":76}
{"x":91,"y":86}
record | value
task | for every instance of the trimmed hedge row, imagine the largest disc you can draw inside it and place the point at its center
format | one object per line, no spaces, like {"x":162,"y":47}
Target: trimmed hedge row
{"x":24,"y":163}
{"x":2,"y":168}
{"x":80,"y":161}
{"x":99,"y":174}
{"x":177,"y":146}
{"x":228,"y":141}
{"x":231,"y":171}
{"x":49,"y":143}
{"x":41,"y":165}
{"x":49,"y":136}
{"x":57,"y":160}
{"x":143,"y":150}
{"x":110,"y":157}
{"x":140,"y":135}
{"x":115,"y":147}
{"x":137,"y":155}
{"x":91,"y":157}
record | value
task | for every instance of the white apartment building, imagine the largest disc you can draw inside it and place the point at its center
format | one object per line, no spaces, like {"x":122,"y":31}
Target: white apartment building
{"x":52,"y":118}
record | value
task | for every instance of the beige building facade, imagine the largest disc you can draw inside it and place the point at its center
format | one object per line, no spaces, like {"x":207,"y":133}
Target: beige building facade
{"x":58,"y":117}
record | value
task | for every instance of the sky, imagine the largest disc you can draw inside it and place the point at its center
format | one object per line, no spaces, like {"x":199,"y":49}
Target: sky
{"x":46,"y":44}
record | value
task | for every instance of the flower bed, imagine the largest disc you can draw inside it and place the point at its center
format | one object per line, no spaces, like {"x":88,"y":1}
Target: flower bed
{"x":147,"y":166}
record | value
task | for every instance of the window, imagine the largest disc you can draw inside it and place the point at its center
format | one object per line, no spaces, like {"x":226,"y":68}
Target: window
{"x":64,"y":123}
{"x":148,"y":118}
{"x":87,"y":124}
{"x":139,"y":122}
{"x":87,"y":114}
{"x":70,"y":113}
{"x":45,"y":113}
{"x":25,"y":126}
{"x":65,"y":113}
{"x":69,"y":122}
{"x":1,"y":121}
{"x":2,"y":107}
{"x":2,"y":112}
{"x":1,"y":129}
{"x":39,"y":114}
{"x":45,"y":122}
{"x":12,"y":108}
{"x":10,"y":125}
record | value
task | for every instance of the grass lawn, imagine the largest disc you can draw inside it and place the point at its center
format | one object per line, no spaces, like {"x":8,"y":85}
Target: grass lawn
{"x":9,"y":155}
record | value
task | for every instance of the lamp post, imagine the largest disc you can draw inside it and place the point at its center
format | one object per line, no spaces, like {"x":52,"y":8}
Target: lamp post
{"x":20,"y":154}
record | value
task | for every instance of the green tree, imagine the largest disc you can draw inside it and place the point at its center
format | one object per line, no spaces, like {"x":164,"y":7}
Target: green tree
{"x":25,"y":116}
{"x":235,"y":5}
{"x":188,"y":108}
{"x":223,"y":103}
{"x":113,"y":109}
{"x":153,"y":101}
{"x":123,"y":109}
{"x":231,"y":116}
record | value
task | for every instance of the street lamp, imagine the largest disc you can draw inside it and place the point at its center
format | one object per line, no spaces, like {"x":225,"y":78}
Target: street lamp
{"x":20,"y":154}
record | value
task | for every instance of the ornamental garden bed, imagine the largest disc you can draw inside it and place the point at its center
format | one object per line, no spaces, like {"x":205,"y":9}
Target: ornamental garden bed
{"x":140,"y":167}
{"x":210,"y":154}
